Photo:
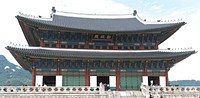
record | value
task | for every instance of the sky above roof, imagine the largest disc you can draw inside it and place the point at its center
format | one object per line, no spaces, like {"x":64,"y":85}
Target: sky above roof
{"x":151,"y":10}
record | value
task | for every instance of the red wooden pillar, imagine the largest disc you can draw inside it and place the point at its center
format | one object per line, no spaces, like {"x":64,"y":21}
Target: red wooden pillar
{"x":156,"y":46}
{"x":166,"y":76}
{"x":141,"y":46}
{"x":33,"y":76}
{"x":87,"y":76}
{"x":117,"y":80}
{"x":41,"y":42}
{"x":86,"y":46}
{"x":145,"y":69}
{"x":115,"y":43}
{"x":145,"y":72}
{"x":58,"y":44}
{"x":58,"y":71}
{"x":58,"y":67}
{"x":141,"y":43}
{"x":118,"y":76}
{"x":115,"y":47}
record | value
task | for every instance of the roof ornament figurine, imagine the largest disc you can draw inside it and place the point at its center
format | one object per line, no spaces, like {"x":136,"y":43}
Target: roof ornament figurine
{"x":134,"y":13}
{"x":53,"y":9}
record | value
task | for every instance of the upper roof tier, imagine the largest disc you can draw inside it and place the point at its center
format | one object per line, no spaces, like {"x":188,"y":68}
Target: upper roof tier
{"x":110,"y":25}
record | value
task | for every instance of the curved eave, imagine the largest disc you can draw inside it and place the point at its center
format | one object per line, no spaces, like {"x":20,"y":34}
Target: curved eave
{"x":44,"y":24}
{"x":27,"y":33}
{"x":171,"y":32}
{"x":21,"y":61}
{"x":96,"y":54}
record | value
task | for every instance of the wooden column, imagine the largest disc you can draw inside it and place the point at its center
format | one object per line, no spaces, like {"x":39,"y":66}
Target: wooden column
{"x":115,"y":43}
{"x":166,"y":76}
{"x":141,"y":43}
{"x":58,"y":67}
{"x":87,"y":76}
{"x":156,"y":45}
{"x":58,"y":71}
{"x":117,"y":80}
{"x":145,"y":69}
{"x":41,"y":42}
{"x":58,"y":42}
{"x":86,"y":46}
{"x":33,"y":76}
{"x":118,"y":76}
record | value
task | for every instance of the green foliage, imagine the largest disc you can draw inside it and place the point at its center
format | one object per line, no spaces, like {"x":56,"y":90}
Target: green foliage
{"x":12,"y":74}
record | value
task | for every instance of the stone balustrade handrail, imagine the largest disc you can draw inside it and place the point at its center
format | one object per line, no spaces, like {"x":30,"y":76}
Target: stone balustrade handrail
{"x":174,"y":89}
{"x":51,"y":89}
{"x":171,"y":91}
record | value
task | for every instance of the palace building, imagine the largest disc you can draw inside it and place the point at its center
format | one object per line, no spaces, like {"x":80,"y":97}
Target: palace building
{"x":81,"y":51}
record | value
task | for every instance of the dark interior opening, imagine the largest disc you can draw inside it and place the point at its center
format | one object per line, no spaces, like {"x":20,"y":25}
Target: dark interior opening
{"x":154,"y":80}
{"x":49,"y":80}
{"x":102,"y":79}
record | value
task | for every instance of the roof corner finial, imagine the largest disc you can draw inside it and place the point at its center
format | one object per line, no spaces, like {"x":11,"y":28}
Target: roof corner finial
{"x":53,"y":9}
{"x":134,"y":13}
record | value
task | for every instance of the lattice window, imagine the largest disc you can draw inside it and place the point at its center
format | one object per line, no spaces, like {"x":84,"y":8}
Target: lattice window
{"x":79,"y":63}
{"x":130,"y":38}
{"x":81,"y":46}
{"x":62,"y":37}
{"x":110,"y":47}
{"x":91,"y":46}
{"x":67,"y":36}
{"x":97,"y":64}
{"x":67,"y":63}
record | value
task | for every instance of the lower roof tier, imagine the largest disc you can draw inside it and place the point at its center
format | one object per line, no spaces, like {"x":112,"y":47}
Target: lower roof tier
{"x":98,"y":54}
{"x":22,"y":53}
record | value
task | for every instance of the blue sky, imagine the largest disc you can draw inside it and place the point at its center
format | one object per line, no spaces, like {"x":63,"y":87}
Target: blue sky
{"x":151,"y":10}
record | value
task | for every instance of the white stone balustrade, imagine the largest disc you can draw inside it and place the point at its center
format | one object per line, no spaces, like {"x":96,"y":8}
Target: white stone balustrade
{"x":49,"y":89}
{"x":173,"y":91}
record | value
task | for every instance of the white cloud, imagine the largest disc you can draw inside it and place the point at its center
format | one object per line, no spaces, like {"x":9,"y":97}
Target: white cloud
{"x":156,"y":7}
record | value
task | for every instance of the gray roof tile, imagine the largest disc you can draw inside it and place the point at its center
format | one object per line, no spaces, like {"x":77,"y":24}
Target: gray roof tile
{"x":100,"y":24}
{"x":70,"y":53}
